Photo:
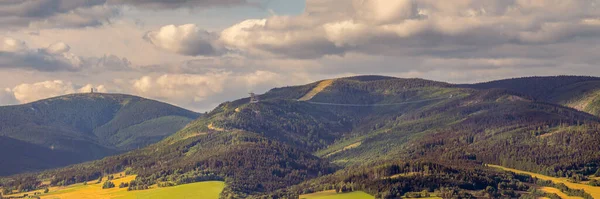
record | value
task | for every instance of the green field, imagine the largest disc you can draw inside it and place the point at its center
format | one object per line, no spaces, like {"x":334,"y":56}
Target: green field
{"x":205,"y":190}
{"x":331,"y":194}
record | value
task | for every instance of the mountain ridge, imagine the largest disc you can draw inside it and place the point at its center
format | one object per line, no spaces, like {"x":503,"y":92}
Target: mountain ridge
{"x":90,"y":126}
{"x":265,"y":149}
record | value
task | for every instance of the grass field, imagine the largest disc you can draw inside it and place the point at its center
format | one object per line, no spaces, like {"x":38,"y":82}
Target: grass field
{"x":320,"y":87}
{"x":205,"y":190}
{"x":594,"y":191}
{"x":331,"y":194}
{"x":558,"y":192}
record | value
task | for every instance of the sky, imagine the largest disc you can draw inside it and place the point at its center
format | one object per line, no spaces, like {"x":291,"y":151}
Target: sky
{"x":199,"y":53}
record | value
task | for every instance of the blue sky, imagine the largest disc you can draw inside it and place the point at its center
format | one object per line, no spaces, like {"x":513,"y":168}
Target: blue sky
{"x":217,"y":17}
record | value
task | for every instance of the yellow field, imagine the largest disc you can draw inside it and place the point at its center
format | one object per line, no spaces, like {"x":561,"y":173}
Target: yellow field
{"x":205,"y":190}
{"x":594,"y":191}
{"x":320,"y":87}
{"x":331,"y":194}
{"x":558,"y":192}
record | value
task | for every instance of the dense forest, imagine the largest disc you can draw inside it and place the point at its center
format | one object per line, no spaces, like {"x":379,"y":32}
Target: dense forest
{"x":399,"y":137}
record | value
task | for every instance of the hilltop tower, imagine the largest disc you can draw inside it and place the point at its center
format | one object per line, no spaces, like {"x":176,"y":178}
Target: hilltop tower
{"x":253,"y":98}
{"x":92,"y":90}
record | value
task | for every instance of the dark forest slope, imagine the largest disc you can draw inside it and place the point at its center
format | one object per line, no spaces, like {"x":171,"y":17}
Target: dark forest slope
{"x":579,"y":92}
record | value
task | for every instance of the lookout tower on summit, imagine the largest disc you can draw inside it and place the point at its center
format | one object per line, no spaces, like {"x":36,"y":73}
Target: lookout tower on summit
{"x":253,"y":98}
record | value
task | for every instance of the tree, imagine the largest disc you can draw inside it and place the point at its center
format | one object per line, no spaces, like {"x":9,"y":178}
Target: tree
{"x":46,"y":190}
{"x":108,"y":185}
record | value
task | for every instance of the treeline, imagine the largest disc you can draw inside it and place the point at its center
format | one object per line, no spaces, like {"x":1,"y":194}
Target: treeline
{"x":538,"y":87}
{"x":395,"y":179}
{"x":169,"y":179}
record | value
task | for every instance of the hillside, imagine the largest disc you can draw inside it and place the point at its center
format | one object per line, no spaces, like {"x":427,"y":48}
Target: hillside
{"x":381,"y":135}
{"x":81,"y":127}
{"x":578,"y":92}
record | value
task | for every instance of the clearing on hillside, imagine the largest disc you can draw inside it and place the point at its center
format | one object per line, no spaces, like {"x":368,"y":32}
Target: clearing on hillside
{"x":331,"y":194}
{"x":320,"y":87}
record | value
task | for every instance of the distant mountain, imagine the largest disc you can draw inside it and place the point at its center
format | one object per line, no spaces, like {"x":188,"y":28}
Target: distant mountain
{"x":579,"y":92}
{"x":81,"y":127}
{"x":382,"y":135}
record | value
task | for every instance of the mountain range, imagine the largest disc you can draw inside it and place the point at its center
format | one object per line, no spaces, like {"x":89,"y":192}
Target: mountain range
{"x":382,"y":135}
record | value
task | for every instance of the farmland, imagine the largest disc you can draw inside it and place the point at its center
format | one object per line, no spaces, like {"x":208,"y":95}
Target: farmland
{"x":594,"y":191}
{"x":93,"y":190}
{"x":331,"y":194}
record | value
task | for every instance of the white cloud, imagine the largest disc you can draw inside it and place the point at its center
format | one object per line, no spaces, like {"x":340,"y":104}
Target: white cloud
{"x":385,"y":11}
{"x":186,"y":39}
{"x":407,"y":26}
{"x":7,"y":97}
{"x":25,"y":93}
{"x":181,"y":87}
{"x":58,"y":48}
{"x":203,"y":92}
{"x":12,"y":45}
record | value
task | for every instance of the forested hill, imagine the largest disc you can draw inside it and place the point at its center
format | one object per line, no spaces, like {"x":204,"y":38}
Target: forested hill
{"x":81,"y":127}
{"x":579,"y":92}
{"x":365,"y":130}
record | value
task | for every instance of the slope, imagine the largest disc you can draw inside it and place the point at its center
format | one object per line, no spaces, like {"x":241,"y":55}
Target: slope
{"x":76,"y":128}
{"x":579,"y":92}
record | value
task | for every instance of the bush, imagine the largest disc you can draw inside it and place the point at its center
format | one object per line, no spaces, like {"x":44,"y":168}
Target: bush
{"x":123,"y":185}
{"x":108,"y":185}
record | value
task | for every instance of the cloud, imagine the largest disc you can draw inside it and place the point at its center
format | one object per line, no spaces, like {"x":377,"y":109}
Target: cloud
{"x":7,"y":97}
{"x":83,"y":13}
{"x":25,"y":93}
{"x":186,"y":39}
{"x":16,"y":54}
{"x":12,"y":45}
{"x":161,"y":4}
{"x":204,"y":91}
{"x":56,"y":57}
{"x":55,"y":13}
{"x":403,"y":27}
{"x":58,"y":48}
